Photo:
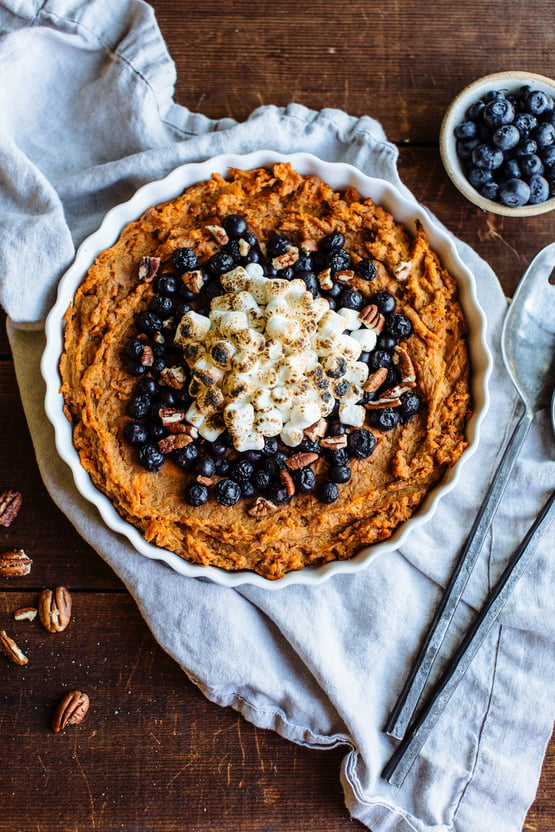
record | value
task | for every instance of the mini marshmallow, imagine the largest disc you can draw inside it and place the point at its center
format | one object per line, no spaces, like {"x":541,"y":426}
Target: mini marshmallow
{"x":194,"y":416}
{"x":248,"y":442}
{"x":349,"y":347}
{"x":232,"y":322}
{"x":254,"y":270}
{"x":221,"y":353}
{"x":351,"y":318}
{"x":357,"y":372}
{"x":269,"y":423}
{"x":250,"y":340}
{"x":235,"y":280}
{"x":221,"y":303}
{"x":192,"y":326}
{"x":262,"y":400}
{"x":353,"y":394}
{"x":331,"y":323}
{"x":244,"y":361}
{"x":281,"y":328}
{"x":304,"y":415}
{"x":292,"y":435}
{"x":367,"y":338}
{"x":212,"y":427}
{"x":206,"y":371}
{"x":352,"y":414}
{"x":281,"y":396}
{"x":239,"y":417}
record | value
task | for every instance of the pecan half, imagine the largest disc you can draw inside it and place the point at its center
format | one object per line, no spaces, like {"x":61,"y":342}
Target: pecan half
{"x":344,"y":275}
{"x":11,"y":650}
{"x":334,"y":442}
{"x":287,"y":481}
{"x":300,"y":460}
{"x":70,"y":710}
{"x":174,"y":377}
{"x":375,"y":380}
{"x":219,"y":233}
{"x":10,"y":503}
{"x":317,"y":430}
{"x":15,"y":564}
{"x":288,"y":258}
{"x":194,"y":281}
{"x":372,"y":318}
{"x":55,"y":609}
{"x":406,"y":367}
{"x":173,"y":442}
{"x":147,"y":358}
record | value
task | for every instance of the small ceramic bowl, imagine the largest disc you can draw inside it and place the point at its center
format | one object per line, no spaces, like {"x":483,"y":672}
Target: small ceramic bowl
{"x":508,"y":81}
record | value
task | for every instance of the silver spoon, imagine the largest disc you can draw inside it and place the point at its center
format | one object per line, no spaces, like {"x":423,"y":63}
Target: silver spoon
{"x":528,"y":350}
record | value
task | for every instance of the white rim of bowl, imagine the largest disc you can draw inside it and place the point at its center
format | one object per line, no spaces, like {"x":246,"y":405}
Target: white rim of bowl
{"x":337,"y":175}
{"x":447,"y":142}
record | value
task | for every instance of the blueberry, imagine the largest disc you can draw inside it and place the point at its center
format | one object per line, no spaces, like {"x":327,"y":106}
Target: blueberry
{"x":166,"y":397}
{"x":196,"y":494}
{"x":185,"y":457}
{"x":337,"y":456}
{"x":233,"y":248}
{"x":506,"y":137}
{"x":218,"y":448}
{"x":335,"y":240}
{"x":278,"y":244}
{"x":410,"y":405}
{"x":530,"y":165}
{"x":488,"y":157}
{"x":479,"y":176}
{"x":184,"y":260}
{"x":248,"y":489}
{"x":242,"y":470}
{"x":261,"y":480}
{"x":148,"y":322}
{"x":511,"y":169}
{"x":220,"y":263}
{"x":135,"y":433}
{"x":235,"y":225}
{"x":305,"y":480}
{"x":311,"y":282}
{"x":525,"y":123}
{"x":150,"y":457}
{"x":158,"y":365}
{"x":156,"y":430}
{"x":205,"y":466}
{"x":166,"y":284}
{"x":271,"y":446}
{"x":544,"y":134}
{"x":497,"y":112}
{"x":339,"y":473}
{"x":227,"y":492}
{"x":385,"y":342}
{"x":134,"y":349}
{"x":475,"y":110}
{"x":221,"y":466}
{"x":309,"y":446}
{"x":399,"y":326}
{"x":380,"y":358}
{"x":466,"y":146}
{"x":303,"y":264}
{"x":361,"y":444}
{"x":366,"y":269}
{"x":250,"y":238}
{"x":384,"y":419}
{"x":335,"y":291}
{"x":526,"y":147}
{"x":147,"y":385}
{"x":385,"y":302}
{"x":490,"y":191}
{"x":351,"y":299}
{"x":538,"y":102}
{"x":336,"y":428}
{"x":162,"y":306}
{"x":548,"y":157}
{"x":466,"y":130}
{"x":327,"y":492}
{"x":139,"y":406}
{"x":338,"y":259}
{"x":277,"y":494}
{"x":539,"y":190}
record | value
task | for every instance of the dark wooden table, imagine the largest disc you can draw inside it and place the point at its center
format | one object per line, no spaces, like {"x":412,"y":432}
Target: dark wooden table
{"x":153,"y":754}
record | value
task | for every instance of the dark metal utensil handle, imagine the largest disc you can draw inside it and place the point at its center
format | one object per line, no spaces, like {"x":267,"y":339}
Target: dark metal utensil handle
{"x":398,"y":766}
{"x":405,"y":706}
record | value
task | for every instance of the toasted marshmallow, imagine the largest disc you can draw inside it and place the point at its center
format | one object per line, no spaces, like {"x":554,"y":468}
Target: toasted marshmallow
{"x":239,"y":417}
{"x":232,"y":322}
{"x":269,"y":423}
{"x":206,"y":371}
{"x":192,"y":326}
{"x":262,"y":400}
{"x":367,"y":338}
{"x":350,"y":317}
{"x":357,"y":372}
{"x":305,"y":414}
{"x":212,"y":427}
{"x":235,"y":280}
{"x":251,"y":441}
{"x":349,"y":347}
{"x":292,"y":435}
{"x":194,"y":416}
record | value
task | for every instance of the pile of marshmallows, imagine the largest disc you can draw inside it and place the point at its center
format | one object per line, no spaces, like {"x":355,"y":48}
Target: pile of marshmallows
{"x":270,"y":359}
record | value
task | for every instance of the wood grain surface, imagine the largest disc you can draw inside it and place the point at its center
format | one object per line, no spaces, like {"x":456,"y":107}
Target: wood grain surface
{"x":153,"y":753}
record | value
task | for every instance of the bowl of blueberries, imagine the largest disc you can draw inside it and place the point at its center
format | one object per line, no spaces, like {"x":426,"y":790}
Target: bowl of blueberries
{"x":497,"y":143}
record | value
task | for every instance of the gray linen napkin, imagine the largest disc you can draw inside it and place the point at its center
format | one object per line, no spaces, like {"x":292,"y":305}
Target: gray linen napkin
{"x":86,"y":97}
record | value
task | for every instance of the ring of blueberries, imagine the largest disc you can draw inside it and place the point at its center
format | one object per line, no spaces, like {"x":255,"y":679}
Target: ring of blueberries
{"x":231,"y":475}
{"x":506,"y":145}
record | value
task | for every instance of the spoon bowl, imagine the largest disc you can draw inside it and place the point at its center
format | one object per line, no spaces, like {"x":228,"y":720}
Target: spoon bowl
{"x":528,"y":334}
